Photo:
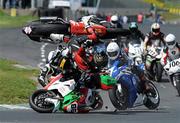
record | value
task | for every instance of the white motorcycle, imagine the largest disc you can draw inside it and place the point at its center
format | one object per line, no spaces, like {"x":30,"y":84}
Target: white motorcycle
{"x":154,"y":54}
{"x":135,"y":52}
{"x":173,"y":70}
{"x":57,"y":94}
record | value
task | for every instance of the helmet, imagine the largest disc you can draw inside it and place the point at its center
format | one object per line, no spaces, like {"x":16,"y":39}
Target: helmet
{"x":133,"y":26}
{"x":170,"y":41}
{"x":113,"y":50}
{"x":114,"y":18}
{"x":155,"y":28}
{"x":100,"y":59}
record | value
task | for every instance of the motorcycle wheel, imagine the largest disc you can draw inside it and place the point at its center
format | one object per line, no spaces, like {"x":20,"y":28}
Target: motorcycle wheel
{"x":37,"y":101}
{"x":151,"y":98}
{"x":98,"y":102}
{"x":177,"y":79}
{"x":157,"y":70}
{"x":119,"y":99}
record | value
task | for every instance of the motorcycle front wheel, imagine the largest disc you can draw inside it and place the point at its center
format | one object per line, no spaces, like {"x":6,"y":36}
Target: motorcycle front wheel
{"x":151,"y":98}
{"x":37,"y":101}
{"x":158,"y":70}
{"x":118,"y":98}
{"x":176,"y":79}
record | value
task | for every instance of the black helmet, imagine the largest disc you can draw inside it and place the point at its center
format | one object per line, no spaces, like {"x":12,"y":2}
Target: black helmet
{"x":133,"y":26}
{"x":100,"y":59}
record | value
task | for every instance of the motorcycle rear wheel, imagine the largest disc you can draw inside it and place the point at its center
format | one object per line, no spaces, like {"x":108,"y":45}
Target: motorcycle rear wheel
{"x":37,"y":101}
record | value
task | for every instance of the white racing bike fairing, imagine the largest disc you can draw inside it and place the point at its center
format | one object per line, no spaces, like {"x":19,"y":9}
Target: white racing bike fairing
{"x":135,"y":53}
{"x":63,"y":88}
{"x":172,"y":67}
{"x":155,"y":52}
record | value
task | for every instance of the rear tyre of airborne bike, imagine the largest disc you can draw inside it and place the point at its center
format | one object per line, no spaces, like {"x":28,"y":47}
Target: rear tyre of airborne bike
{"x":37,"y":101}
{"x":119,"y":97}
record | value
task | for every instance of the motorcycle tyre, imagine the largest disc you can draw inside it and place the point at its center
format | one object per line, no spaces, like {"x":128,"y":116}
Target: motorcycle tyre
{"x":159,"y":71}
{"x":148,"y":103}
{"x":35,"y":107}
{"x":114,"y":99}
{"x":177,"y":77}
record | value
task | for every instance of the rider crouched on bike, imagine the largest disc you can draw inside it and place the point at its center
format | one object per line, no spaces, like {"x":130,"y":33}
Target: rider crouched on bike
{"x":172,"y":50}
{"x":155,"y":37}
{"x":116,"y":54}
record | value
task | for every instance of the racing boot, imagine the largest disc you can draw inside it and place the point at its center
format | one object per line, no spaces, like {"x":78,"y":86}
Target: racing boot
{"x":42,"y":77}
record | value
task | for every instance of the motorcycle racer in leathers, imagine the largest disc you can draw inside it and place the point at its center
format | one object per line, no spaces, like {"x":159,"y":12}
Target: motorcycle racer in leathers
{"x":172,"y":51}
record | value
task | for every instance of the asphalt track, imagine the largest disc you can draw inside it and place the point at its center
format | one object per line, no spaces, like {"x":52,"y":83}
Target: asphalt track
{"x":16,"y":46}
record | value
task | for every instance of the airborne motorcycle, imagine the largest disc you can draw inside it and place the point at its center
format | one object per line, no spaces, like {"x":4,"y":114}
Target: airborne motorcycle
{"x":173,"y":70}
{"x":40,"y":30}
{"x":126,"y":90}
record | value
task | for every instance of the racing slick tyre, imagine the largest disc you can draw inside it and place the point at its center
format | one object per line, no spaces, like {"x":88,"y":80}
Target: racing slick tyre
{"x":37,"y":101}
{"x":119,"y":99}
{"x":151,"y":98}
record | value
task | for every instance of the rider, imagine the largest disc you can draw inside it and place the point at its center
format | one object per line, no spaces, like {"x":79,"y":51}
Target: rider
{"x":155,"y":37}
{"x":91,"y":77}
{"x":115,"y":22}
{"x":116,"y":54}
{"x":172,"y":51}
{"x":136,"y":34}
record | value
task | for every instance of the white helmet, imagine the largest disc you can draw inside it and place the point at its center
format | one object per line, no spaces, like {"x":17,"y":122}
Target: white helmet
{"x":170,"y":41}
{"x":113,"y":50}
{"x":155,"y":28}
{"x":114,"y":18}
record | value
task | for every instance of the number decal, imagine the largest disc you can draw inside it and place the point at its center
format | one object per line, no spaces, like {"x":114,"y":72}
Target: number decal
{"x":174,"y":63}
{"x":74,"y":108}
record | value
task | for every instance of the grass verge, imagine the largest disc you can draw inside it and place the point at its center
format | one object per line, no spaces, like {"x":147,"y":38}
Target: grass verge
{"x":7,"y":21}
{"x":15,"y":83}
{"x":168,"y":16}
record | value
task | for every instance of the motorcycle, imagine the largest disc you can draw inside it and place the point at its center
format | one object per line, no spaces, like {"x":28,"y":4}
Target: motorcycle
{"x":57,"y":94}
{"x":135,"y":52}
{"x":154,"y":55}
{"x":173,"y":71}
{"x":40,"y":30}
{"x":126,"y":91}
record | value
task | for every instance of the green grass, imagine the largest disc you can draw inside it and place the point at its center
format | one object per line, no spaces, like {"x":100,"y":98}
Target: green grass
{"x":15,"y":83}
{"x":6,"y":21}
{"x":169,"y":16}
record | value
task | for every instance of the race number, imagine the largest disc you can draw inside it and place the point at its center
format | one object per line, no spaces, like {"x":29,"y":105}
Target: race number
{"x":174,"y":64}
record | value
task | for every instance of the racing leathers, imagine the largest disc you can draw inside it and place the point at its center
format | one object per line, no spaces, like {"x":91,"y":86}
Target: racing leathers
{"x":170,"y":54}
{"x":155,"y":40}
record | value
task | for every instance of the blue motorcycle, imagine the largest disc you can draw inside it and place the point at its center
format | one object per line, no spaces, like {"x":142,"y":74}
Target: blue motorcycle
{"x":125,"y":93}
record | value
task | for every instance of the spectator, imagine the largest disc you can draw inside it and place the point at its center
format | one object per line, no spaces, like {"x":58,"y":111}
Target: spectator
{"x":125,"y":19}
{"x":140,"y":18}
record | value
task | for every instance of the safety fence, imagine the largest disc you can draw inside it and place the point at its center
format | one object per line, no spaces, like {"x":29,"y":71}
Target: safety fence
{"x":164,"y":6}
